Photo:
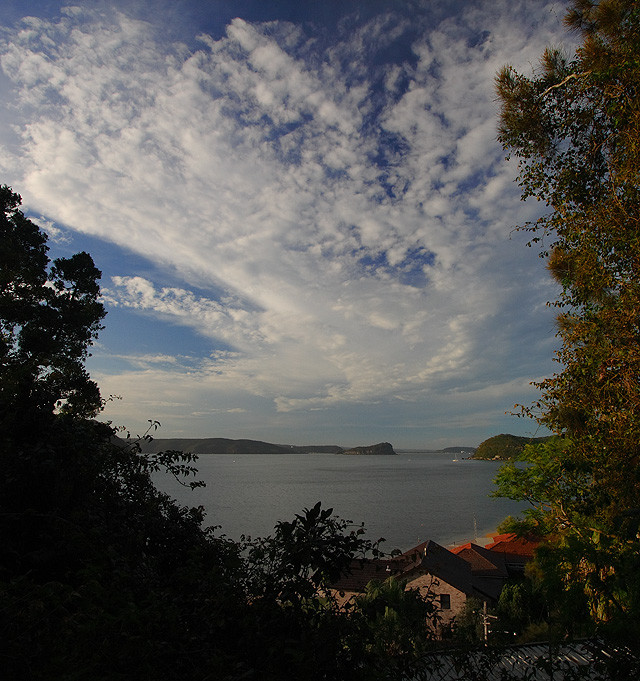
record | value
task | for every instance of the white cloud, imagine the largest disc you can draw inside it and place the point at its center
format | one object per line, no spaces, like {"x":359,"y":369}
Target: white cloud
{"x":53,"y":231}
{"x":249,"y":166}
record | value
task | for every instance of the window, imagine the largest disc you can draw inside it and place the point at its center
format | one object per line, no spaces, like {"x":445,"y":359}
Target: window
{"x":445,"y":601}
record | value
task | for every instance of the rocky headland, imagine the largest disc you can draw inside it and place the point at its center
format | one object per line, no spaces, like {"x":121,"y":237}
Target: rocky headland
{"x":382,"y":448}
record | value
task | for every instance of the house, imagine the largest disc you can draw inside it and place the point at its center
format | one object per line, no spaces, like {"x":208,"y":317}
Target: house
{"x":449,"y":576}
{"x":429,"y":568}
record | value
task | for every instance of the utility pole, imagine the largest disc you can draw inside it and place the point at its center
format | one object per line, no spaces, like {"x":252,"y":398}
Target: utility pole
{"x":485,"y":622}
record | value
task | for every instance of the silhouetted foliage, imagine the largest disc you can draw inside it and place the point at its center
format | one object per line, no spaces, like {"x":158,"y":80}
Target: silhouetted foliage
{"x":395,"y":623}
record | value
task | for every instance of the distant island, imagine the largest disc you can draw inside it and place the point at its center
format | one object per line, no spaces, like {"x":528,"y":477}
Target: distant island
{"x":504,"y":447}
{"x":383,"y":448}
{"x":221,"y":445}
{"x":458,"y":450}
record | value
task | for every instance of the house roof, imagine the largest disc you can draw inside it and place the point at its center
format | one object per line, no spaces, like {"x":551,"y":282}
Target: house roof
{"x":513,"y":545}
{"x":461,"y":547}
{"x":361,"y":572}
{"x":426,"y":558}
{"x":517,"y":551}
{"x":484,"y":562}
{"x":488,"y":569}
{"x":473,"y":570}
{"x":447,"y":567}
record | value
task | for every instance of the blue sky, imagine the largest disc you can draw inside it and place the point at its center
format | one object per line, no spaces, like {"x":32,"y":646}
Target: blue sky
{"x":302,"y":215}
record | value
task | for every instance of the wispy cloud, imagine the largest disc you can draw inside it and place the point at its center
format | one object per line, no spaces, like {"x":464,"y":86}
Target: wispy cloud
{"x":345,"y":216}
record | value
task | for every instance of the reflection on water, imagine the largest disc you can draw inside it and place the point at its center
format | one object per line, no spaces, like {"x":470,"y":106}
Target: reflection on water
{"x":406,"y":498}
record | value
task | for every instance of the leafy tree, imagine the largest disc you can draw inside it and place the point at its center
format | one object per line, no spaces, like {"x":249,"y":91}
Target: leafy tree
{"x":521,"y":608}
{"x":469,"y":623}
{"x":49,"y":316}
{"x":101,"y":576}
{"x":288,"y":577}
{"x":574,"y":125}
{"x":395,"y":624}
{"x":305,"y":556}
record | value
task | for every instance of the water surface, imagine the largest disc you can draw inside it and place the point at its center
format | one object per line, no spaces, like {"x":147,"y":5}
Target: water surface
{"x":406,"y":499}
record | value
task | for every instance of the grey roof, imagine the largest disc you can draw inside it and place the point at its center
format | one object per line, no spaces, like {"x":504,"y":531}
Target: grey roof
{"x":484,"y":563}
{"x":488,"y":570}
{"x":447,"y":567}
{"x":433,"y":559}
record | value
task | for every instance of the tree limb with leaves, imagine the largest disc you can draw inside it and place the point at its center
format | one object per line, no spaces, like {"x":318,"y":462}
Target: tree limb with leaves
{"x":574,"y":126}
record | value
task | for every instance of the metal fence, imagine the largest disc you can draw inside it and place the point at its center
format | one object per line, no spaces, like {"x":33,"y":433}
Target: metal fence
{"x":587,"y":660}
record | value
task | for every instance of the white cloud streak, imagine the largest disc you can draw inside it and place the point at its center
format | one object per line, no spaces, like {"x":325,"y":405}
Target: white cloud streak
{"x":356,"y":218}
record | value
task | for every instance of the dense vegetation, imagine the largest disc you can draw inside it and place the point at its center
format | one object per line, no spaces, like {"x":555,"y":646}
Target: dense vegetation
{"x":574,"y":125}
{"x":505,"y":447}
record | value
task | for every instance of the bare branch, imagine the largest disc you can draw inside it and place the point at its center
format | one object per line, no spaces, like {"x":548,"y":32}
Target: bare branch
{"x":565,"y":81}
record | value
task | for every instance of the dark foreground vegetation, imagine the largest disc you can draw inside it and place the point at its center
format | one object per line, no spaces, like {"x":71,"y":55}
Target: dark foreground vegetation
{"x":104,"y":577}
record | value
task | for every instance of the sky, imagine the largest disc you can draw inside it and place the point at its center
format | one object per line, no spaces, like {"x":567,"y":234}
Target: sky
{"x":303,"y":219}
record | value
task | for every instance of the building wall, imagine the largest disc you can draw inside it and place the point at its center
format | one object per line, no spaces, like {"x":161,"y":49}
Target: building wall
{"x":428,"y":584}
{"x":343,"y":597}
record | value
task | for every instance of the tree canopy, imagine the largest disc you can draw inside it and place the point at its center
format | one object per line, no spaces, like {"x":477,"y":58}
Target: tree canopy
{"x":50,"y":314}
{"x":574,"y":125}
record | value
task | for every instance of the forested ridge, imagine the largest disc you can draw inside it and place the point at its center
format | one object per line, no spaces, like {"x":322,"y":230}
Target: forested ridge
{"x":221,"y":445}
{"x":505,"y":447}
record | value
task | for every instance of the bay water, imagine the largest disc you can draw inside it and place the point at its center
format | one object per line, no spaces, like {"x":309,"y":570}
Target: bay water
{"x":405,"y":499}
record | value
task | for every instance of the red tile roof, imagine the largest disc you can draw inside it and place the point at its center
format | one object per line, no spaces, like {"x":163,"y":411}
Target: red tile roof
{"x":513,"y":545}
{"x":457,"y":549}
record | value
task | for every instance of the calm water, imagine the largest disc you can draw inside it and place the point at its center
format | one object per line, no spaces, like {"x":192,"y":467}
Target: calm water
{"x":406,"y":498}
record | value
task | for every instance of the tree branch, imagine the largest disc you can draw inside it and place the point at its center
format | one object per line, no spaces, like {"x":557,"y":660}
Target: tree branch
{"x":565,"y":81}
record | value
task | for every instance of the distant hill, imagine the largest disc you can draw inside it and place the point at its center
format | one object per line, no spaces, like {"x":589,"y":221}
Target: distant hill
{"x":504,"y":447}
{"x":383,"y":448}
{"x":459,"y":450}
{"x":221,"y":445}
